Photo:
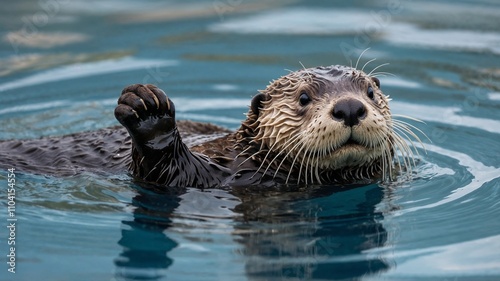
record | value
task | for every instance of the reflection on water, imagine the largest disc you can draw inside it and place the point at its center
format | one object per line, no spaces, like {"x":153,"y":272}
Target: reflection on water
{"x":320,"y":233}
{"x":63,"y":64}
{"x":145,"y":245}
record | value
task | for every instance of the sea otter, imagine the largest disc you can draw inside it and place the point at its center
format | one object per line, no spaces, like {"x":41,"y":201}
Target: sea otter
{"x":313,"y":126}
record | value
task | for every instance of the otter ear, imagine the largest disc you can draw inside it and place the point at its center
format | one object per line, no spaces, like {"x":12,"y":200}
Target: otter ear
{"x":376,"y":81}
{"x":257,"y":102}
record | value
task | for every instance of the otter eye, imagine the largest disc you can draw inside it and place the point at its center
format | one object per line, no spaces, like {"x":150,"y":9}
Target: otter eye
{"x":369,"y":92}
{"x":304,"y":99}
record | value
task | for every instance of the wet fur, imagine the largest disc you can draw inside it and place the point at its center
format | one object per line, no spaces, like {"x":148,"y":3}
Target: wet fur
{"x":303,"y":142}
{"x":280,"y":142}
{"x":105,"y":151}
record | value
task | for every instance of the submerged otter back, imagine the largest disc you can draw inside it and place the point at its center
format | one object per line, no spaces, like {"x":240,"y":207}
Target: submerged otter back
{"x":103,"y":151}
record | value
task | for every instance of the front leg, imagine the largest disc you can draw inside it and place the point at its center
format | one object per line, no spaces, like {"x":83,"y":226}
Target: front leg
{"x":158,"y":153}
{"x":149,"y":117}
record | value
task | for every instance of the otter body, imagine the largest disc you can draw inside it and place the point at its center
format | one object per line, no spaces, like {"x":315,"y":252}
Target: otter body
{"x":313,"y":126}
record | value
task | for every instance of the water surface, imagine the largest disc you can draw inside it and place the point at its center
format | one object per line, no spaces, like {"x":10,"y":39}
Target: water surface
{"x":63,"y":65}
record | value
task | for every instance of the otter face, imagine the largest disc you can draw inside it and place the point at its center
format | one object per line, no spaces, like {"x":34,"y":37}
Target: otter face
{"x":326,"y":119}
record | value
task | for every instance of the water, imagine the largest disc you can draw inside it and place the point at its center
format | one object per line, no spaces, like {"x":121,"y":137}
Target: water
{"x":63,"y":64}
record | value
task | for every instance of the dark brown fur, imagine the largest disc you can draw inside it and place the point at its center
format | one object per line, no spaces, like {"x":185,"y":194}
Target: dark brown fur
{"x":105,"y":151}
{"x":285,"y":138}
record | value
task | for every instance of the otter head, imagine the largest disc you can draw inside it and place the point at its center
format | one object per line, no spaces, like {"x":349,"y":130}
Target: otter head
{"x":324,"y":122}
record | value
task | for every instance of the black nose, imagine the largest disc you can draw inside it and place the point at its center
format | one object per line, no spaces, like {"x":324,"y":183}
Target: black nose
{"x":349,"y":110}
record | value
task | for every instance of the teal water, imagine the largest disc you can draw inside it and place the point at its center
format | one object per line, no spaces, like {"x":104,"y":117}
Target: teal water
{"x":64,"y":63}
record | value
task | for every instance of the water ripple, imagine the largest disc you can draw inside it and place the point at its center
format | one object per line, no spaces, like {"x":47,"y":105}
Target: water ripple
{"x":84,"y":70}
{"x":481,"y":173}
{"x":340,"y":22}
{"x":450,"y":259}
{"x":445,"y":114}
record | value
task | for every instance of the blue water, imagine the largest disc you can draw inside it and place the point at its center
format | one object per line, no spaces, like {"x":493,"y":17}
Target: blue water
{"x":64,"y":63}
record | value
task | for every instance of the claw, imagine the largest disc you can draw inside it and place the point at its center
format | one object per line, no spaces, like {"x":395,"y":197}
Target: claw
{"x":156,"y":102}
{"x":144,"y":104}
{"x":135,"y":112}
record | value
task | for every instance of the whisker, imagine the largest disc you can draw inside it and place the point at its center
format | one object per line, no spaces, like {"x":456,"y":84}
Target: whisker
{"x":302,"y":164}
{"x":386,"y":153}
{"x":314,"y":168}
{"x":285,"y":146}
{"x":367,"y":63}
{"x":318,"y":178}
{"x":248,"y":158}
{"x":396,"y":147}
{"x":407,"y":128}
{"x":403,"y":129}
{"x":382,"y":73}
{"x":263,"y":160}
{"x":310,"y":165}
{"x":385,"y":163}
{"x":403,"y":157}
{"x":242,"y":152}
{"x":294,"y":159}
{"x":305,"y":71}
{"x":302,"y":65}
{"x":407,"y":117}
{"x":373,"y":70}
{"x":357,"y":62}
{"x":410,"y":125}
{"x":406,"y":151}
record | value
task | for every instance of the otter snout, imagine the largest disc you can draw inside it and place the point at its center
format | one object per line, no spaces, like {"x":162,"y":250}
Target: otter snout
{"x":351,"y":111}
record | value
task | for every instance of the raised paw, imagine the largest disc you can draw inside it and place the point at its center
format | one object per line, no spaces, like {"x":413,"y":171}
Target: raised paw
{"x":145,"y":110}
